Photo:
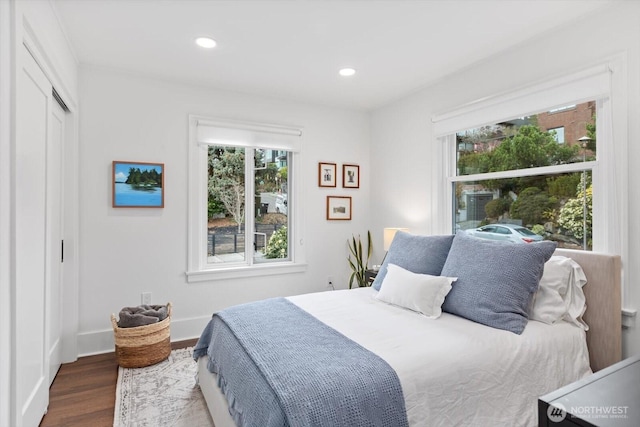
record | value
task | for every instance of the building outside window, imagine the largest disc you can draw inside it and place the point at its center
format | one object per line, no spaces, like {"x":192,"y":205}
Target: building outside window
{"x":568,"y":121}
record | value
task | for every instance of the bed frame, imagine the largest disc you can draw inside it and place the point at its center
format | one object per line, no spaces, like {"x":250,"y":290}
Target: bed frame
{"x":604,"y":305}
{"x":603,"y":315}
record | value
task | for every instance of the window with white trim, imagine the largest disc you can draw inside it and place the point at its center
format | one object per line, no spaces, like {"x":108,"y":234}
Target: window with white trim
{"x":502,"y":166}
{"x":522,"y":177}
{"x":243,"y":217}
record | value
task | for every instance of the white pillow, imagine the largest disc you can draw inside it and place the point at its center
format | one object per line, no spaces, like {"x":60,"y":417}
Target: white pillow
{"x":422,"y":293}
{"x":560,"y":296}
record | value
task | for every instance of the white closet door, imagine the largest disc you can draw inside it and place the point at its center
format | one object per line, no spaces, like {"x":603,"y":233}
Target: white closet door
{"x":33,"y":112}
{"x":54,"y":238}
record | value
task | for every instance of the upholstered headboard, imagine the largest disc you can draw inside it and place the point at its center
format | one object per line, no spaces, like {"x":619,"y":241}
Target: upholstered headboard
{"x":604,"y":307}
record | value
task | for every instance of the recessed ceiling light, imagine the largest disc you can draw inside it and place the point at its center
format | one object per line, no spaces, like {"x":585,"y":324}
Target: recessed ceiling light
{"x":346,"y":72}
{"x":206,"y":42}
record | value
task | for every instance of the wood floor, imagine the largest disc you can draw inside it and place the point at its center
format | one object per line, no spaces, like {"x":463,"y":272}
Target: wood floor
{"x":83,"y":393}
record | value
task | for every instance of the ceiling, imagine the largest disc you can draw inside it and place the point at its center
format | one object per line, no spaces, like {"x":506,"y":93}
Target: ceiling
{"x":293,"y":49}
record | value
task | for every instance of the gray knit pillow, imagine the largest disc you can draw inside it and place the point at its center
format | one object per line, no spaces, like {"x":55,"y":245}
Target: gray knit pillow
{"x":496,"y":280}
{"x":418,"y":254}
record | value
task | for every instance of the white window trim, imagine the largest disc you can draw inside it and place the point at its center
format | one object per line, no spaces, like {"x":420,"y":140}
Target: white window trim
{"x":585,"y":85}
{"x":607,"y":84}
{"x":204,"y":131}
{"x":544,"y":170}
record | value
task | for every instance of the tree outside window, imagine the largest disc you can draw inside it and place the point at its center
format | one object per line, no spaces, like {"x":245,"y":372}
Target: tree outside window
{"x":228,"y":210}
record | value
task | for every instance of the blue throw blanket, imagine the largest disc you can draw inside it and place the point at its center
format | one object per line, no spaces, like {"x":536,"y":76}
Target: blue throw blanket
{"x":280,"y":366}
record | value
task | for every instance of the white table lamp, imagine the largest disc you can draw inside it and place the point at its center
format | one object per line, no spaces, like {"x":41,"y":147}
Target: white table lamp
{"x":389,"y":234}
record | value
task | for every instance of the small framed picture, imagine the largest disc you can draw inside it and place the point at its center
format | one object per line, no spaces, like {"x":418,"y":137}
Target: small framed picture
{"x":350,"y":176}
{"x":138,"y":185}
{"x":339,"y":208}
{"x":327,"y":174}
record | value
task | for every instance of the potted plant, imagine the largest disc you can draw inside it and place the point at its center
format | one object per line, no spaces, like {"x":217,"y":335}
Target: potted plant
{"x":360,"y":262}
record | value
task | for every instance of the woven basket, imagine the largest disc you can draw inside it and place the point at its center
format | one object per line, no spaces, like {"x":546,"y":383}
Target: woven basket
{"x":142,"y":346}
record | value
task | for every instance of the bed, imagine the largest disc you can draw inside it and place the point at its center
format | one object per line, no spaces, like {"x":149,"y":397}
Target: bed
{"x":451,"y":370}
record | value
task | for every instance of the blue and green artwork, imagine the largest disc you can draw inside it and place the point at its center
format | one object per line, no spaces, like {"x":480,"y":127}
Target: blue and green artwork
{"x":138,"y":185}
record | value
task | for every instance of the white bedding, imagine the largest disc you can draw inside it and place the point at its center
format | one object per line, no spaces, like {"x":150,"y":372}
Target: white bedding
{"x":454,"y":371}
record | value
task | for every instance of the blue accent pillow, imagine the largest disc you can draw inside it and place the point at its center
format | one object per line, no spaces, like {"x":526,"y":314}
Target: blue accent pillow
{"x":418,"y":254}
{"x":496,"y":280}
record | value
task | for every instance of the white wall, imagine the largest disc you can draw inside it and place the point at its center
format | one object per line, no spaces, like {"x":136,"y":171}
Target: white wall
{"x":57,"y":60}
{"x":128,"y":251}
{"x":6,"y":246}
{"x":405,"y":159}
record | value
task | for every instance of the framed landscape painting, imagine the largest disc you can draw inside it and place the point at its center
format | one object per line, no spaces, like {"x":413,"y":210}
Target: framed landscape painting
{"x":138,"y":185}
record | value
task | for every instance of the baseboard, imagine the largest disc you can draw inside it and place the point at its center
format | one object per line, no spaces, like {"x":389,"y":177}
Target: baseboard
{"x":99,"y":342}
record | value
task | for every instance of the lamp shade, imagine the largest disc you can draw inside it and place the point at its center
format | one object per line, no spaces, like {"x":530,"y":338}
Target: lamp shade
{"x":389,"y":234}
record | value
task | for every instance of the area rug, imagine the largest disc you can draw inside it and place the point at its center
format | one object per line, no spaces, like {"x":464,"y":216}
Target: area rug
{"x":164,"y":394}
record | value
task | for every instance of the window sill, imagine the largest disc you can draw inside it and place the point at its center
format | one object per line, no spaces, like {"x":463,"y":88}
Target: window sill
{"x":243,"y":272}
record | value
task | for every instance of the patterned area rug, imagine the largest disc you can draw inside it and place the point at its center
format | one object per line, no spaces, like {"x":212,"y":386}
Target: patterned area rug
{"x":164,"y":394}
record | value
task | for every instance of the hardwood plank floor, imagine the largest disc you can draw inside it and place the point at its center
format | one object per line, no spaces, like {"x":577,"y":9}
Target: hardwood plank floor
{"x":83,"y":393}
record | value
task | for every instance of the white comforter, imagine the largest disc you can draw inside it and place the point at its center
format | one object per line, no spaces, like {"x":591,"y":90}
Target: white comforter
{"x":454,"y":371}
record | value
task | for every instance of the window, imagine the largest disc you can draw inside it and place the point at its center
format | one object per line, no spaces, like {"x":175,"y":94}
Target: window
{"x":243,"y":218}
{"x":558,"y":134}
{"x":555,"y":204}
{"x":503,"y":166}
{"x":227,"y":211}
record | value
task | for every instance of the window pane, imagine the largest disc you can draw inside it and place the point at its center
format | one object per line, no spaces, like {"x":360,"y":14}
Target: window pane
{"x":272,"y":206}
{"x":551,"y":206}
{"x":531,"y":141}
{"x":558,"y":134}
{"x":226,"y":205}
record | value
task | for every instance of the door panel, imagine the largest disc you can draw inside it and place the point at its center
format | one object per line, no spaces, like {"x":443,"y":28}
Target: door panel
{"x":33,"y":109}
{"x":54,"y":239}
